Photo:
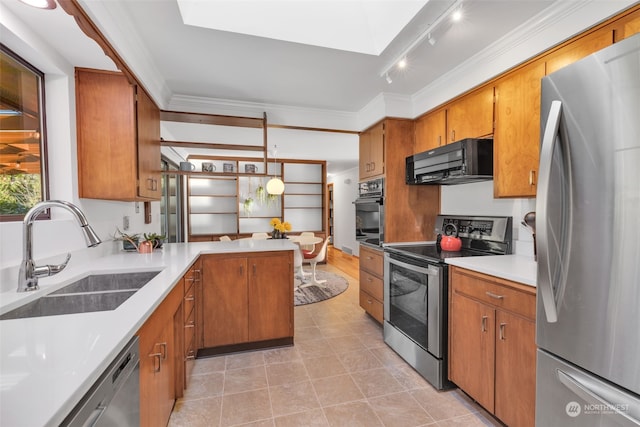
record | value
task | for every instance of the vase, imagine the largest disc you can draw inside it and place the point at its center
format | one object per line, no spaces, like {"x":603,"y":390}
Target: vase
{"x":276,"y":234}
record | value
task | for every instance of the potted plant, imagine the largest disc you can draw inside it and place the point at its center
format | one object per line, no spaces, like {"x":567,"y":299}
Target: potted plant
{"x":129,"y":241}
{"x":156,"y":239}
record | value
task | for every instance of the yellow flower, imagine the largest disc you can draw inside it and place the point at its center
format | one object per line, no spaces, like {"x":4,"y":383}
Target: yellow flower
{"x":274,"y":222}
{"x":287,"y":226}
{"x":280,"y":227}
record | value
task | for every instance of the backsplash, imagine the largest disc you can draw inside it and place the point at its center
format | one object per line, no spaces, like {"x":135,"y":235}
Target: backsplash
{"x":477,"y":199}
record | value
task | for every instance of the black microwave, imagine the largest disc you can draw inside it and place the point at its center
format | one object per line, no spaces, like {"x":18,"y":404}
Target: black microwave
{"x":467,"y":160}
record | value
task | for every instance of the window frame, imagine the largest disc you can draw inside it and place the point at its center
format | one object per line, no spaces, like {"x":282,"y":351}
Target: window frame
{"x":44,"y":164}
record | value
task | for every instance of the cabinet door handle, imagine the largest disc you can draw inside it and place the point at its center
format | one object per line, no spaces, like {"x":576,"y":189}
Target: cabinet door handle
{"x":191,"y":355}
{"x":494,"y":296}
{"x":163,"y":348}
{"x":484,"y":324}
{"x":189,"y":298}
{"x":532,"y":177}
{"x":241,"y":270}
{"x":369,"y":279}
{"x":158,"y":357}
{"x":373,"y":166}
{"x":190,"y":325}
{"x":453,"y":135}
{"x":502,"y":328}
{"x":197,"y":274}
{"x":439,"y":140}
{"x":369,"y":301}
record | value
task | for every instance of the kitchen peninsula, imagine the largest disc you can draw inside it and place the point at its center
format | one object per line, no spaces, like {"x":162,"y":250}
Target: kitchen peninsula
{"x":53,"y":361}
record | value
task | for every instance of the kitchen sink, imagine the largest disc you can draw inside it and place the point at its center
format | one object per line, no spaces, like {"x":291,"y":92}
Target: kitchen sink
{"x":108,"y":282}
{"x":101,"y":292}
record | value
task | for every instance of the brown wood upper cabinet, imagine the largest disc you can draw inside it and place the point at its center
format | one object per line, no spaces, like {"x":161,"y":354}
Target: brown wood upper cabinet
{"x":471,"y":116}
{"x":372,"y":152}
{"x":118,"y":127}
{"x":431,"y":131}
{"x":516,"y":138}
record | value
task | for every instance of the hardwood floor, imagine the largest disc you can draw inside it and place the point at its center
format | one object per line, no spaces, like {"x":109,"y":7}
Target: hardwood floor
{"x":348,"y":263}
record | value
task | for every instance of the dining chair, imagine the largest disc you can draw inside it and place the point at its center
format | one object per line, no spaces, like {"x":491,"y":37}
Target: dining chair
{"x":260,"y":236}
{"x":308,"y":249}
{"x":298,"y":272}
{"x":314,"y":262}
{"x":225,"y":238}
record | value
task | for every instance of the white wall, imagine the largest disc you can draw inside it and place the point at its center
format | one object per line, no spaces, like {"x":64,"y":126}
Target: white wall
{"x":345,"y":191}
{"x":61,"y":234}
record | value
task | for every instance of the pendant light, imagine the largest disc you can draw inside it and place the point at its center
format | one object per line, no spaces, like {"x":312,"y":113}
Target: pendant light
{"x":275,"y":184}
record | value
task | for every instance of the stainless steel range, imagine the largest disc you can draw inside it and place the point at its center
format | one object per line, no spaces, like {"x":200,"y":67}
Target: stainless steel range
{"x":416,"y":289}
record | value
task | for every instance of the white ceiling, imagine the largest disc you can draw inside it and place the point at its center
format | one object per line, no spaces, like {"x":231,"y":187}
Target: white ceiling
{"x":178,"y":62}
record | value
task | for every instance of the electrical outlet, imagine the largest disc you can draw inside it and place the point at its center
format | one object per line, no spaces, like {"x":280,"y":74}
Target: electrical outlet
{"x":125,"y":223}
{"x":137,"y":207}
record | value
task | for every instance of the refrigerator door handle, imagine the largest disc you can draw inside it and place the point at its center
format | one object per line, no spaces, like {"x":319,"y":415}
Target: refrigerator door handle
{"x":545,"y":285}
{"x":618,"y":407}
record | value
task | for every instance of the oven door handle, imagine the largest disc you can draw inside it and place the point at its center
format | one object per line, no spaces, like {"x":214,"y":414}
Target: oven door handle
{"x":430,"y":270}
{"x":377,"y":200}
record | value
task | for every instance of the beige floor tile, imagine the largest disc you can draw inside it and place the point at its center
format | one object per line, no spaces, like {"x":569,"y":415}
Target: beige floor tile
{"x":313,"y":418}
{"x":245,"y":379}
{"x":261,"y":423}
{"x":352,"y":414}
{"x":376,"y":382}
{"x":324,"y":366}
{"x":293,"y":398}
{"x":242,"y":408}
{"x":387,"y":356}
{"x":471,"y":420}
{"x":440,"y":406}
{"x":360,"y":360}
{"x":307,"y":334}
{"x":208,"y":365}
{"x":346,"y":344}
{"x":371,"y":340}
{"x":400,"y":410}
{"x":281,"y":355}
{"x":245,"y":360}
{"x":286,"y":373}
{"x":335,"y":390}
{"x":196,"y":413}
{"x":206,"y":385}
{"x":314,"y":348}
{"x":408,"y":377}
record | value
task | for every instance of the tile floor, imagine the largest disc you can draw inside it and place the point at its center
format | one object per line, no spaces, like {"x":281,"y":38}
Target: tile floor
{"x":338,"y":373}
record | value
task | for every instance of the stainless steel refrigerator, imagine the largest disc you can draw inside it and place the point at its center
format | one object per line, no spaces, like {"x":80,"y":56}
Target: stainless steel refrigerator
{"x":588,"y":231}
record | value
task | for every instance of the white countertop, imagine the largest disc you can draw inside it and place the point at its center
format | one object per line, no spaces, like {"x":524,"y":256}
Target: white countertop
{"x":517,"y":268}
{"x":48,"y":363}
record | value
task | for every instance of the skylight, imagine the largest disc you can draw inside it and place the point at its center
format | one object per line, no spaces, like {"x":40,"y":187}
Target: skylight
{"x":364,"y":26}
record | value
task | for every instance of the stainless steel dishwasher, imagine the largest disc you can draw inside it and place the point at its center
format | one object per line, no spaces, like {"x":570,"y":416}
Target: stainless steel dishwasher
{"x":114,"y":400}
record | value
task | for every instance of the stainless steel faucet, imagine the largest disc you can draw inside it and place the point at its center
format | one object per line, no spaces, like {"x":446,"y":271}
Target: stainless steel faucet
{"x":29,"y":272}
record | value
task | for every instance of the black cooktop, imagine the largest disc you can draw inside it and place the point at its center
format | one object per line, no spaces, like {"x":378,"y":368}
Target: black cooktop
{"x":430,"y":251}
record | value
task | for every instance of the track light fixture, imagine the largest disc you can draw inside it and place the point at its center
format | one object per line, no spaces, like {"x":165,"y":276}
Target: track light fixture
{"x":454,"y":9}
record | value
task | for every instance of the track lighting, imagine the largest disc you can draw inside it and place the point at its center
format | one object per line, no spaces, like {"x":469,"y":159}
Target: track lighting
{"x":454,"y":11}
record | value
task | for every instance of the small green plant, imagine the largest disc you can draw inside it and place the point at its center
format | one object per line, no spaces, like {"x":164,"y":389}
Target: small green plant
{"x":129,"y":241}
{"x":156,"y":239}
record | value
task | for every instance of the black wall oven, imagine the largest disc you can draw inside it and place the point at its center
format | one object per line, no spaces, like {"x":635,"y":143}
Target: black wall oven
{"x":416,"y":287}
{"x":370,"y":212}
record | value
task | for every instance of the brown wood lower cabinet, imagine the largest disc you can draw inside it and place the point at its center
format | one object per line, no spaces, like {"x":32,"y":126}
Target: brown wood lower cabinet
{"x":247,"y":298}
{"x":371,"y":282}
{"x":492,"y":352}
{"x":159,"y":346}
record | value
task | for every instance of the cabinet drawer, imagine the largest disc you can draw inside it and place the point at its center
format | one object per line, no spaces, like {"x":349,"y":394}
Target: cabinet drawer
{"x":371,"y":261}
{"x":189,"y":302}
{"x":371,"y":285}
{"x":371,"y":306}
{"x":189,"y":321}
{"x":495,"y":293}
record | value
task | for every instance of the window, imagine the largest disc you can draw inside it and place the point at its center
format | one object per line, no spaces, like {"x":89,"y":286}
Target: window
{"x":23,"y":178}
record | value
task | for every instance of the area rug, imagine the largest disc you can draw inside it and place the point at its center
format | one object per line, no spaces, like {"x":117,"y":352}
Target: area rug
{"x":334,"y":286}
